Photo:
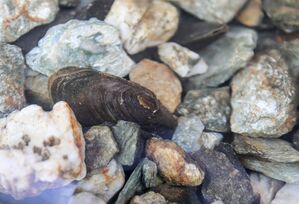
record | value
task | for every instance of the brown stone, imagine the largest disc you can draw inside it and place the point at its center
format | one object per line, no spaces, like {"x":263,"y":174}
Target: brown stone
{"x":160,"y":80}
{"x":252,"y":14}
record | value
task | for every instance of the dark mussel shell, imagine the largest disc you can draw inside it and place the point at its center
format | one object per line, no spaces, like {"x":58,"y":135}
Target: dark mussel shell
{"x":97,"y":97}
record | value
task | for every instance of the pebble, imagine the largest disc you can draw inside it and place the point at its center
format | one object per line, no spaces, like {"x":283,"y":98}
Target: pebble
{"x":183,"y":61}
{"x":91,"y":43}
{"x":150,"y":177}
{"x":85,"y":197}
{"x":104,"y":182}
{"x":100,"y":147}
{"x":212,"y":105}
{"x":210,"y":139}
{"x":12,"y":79}
{"x":287,"y":172}
{"x":283,"y":13}
{"x":149,"y":198}
{"x":160,"y":80}
{"x":287,"y":194}
{"x":213,"y":11}
{"x":143,"y":24}
{"x":19,"y":17}
{"x":252,"y":14}
{"x":127,"y":136}
{"x":188,"y":132}
{"x":221,"y":57}
{"x":36,"y":89}
{"x":264,"y":188}
{"x":173,"y":163}
{"x":224,"y":180}
{"x":263,"y":98}
{"x":69,"y":3}
{"x":276,"y":150}
{"x":51,"y":152}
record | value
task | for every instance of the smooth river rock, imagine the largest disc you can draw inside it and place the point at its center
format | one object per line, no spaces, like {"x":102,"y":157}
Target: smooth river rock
{"x":287,"y":194}
{"x":91,"y":43}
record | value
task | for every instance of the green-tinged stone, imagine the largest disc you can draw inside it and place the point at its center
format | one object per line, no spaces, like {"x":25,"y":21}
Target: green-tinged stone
{"x":150,"y":176}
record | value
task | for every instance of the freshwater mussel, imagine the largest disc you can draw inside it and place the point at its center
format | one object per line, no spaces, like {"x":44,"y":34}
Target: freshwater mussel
{"x":97,"y":97}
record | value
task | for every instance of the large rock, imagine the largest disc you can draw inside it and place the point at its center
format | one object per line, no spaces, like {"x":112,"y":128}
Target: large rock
{"x":263,"y":98}
{"x":287,"y":194}
{"x":276,"y":150}
{"x":160,"y":80}
{"x":12,"y":79}
{"x":212,"y":105}
{"x":173,"y":163}
{"x":225,"y":57}
{"x":46,"y":146}
{"x":214,"y":11}
{"x":91,"y":43}
{"x":144,"y":23}
{"x":19,"y":17}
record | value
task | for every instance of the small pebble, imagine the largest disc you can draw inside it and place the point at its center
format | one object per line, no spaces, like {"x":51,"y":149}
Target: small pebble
{"x":85,"y":197}
{"x":160,"y":80}
{"x":150,"y":177}
{"x":149,"y":198}
{"x":210,"y":139}
{"x":252,"y":14}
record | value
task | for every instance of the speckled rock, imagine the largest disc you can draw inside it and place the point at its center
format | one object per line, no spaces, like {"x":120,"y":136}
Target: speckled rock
{"x":263,"y":98}
{"x":264,"y":188}
{"x":19,"y":17}
{"x":160,"y":80}
{"x":214,"y":11}
{"x":52,"y":152}
{"x":36,"y":89}
{"x":221,"y":57}
{"x":150,"y":177}
{"x":276,"y":150}
{"x":210,"y":139}
{"x":149,"y":198}
{"x":173,"y":163}
{"x":127,"y":136}
{"x":287,"y":194}
{"x":12,"y":79}
{"x":183,"y":61}
{"x":287,"y":172}
{"x":283,"y":13}
{"x":188,"y":132}
{"x":252,"y":14}
{"x":212,"y":105}
{"x":104,"y":182}
{"x":91,"y":43}
{"x":100,"y":147}
{"x":85,"y":197}
{"x":144,"y":23}
{"x":224,"y":179}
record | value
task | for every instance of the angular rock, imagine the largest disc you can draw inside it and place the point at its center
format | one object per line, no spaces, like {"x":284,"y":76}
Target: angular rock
{"x":223,"y":179}
{"x":264,"y":188}
{"x":160,"y":80}
{"x":149,"y":198}
{"x":287,"y":194}
{"x":104,"y":182}
{"x":100,"y":147}
{"x":263,"y":98}
{"x":85,"y":197}
{"x":36,"y":89}
{"x":283,"y":13}
{"x":127,"y":136}
{"x":212,"y":105}
{"x":188,"y":132}
{"x":252,"y":14}
{"x":91,"y":43}
{"x":12,"y":79}
{"x":173,"y":163}
{"x":287,"y":172}
{"x":183,"y":61}
{"x":46,"y":146}
{"x":69,"y":3}
{"x":133,"y":184}
{"x":213,"y":11}
{"x":276,"y":150}
{"x":209,"y":139}
{"x":178,"y":194}
{"x":221,"y":57}
{"x":144,"y":23}
{"x":150,"y":176}
{"x":19,"y":17}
